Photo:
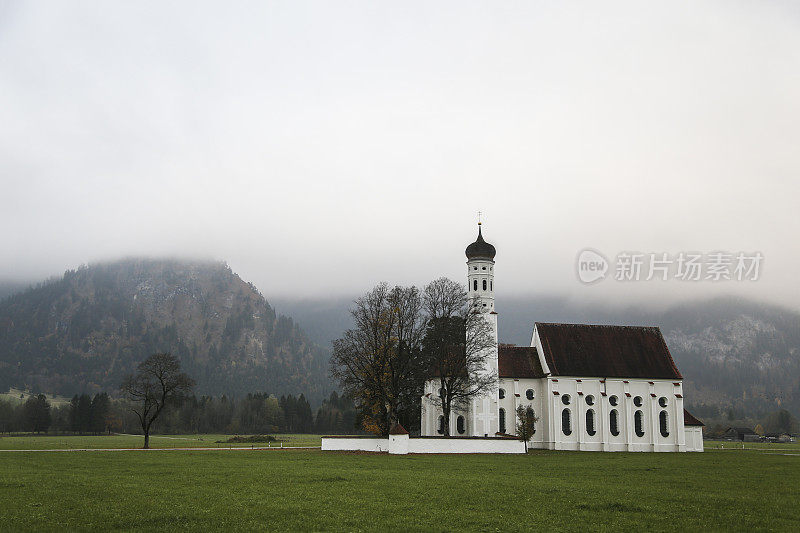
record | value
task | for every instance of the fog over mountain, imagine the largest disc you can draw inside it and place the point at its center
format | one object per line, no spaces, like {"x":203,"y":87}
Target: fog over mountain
{"x":320,"y":147}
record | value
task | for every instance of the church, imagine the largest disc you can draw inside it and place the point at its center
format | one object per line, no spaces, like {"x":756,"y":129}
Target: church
{"x":592,"y":387}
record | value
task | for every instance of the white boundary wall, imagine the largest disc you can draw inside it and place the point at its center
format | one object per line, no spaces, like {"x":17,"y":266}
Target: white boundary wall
{"x":355,"y":444}
{"x":403,"y":444}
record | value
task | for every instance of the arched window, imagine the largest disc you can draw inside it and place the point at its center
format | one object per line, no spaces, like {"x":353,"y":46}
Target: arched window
{"x":638,"y":423}
{"x":502,"y":393}
{"x":565,"y":399}
{"x":662,"y":402}
{"x":529,"y":394}
{"x":441,"y":425}
{"x":566,"y":422}
{"x":613,"y":400}
{"x":663,"y":423}
{"x":590,"y":400}
{"x":475,"y":285}
{"x":637,"y":401}
{"x":460,"y":426}
{"x":502,"y":420}
{"x":614,"y":422}
{"x":590,"y":423}
{"x":491,"y":284}
{"x":484,"y":284}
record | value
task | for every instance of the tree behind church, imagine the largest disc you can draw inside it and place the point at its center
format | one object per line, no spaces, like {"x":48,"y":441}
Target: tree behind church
{"x":158,"y":382}
{"x":456,"y":348}
{"x":377,"y":362}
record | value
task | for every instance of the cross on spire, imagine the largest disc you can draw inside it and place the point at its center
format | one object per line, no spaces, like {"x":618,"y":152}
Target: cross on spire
{"x":479,"y":218}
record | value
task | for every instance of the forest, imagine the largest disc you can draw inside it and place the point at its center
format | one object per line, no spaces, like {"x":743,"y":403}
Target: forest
{"x":258,"y":413}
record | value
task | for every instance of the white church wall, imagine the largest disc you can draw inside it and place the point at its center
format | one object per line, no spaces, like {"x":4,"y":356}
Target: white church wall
{"x":627,"y":393}
{"x":516,"y":395}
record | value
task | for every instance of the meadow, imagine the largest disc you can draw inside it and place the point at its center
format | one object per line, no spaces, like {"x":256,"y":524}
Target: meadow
{"x":313,"y":490}
{"x":92,"y":442}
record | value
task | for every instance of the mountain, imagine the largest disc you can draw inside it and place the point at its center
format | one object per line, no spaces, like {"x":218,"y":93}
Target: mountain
{"x":740,"y":359}
{"x":86,"y":330}
{"x":7,"y":288}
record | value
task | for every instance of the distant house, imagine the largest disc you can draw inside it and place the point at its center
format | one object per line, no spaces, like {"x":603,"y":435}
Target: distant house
{"x":742,"y":434}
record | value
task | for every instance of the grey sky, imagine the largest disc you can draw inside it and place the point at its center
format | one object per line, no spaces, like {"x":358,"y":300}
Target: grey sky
{"x":321,"y":147}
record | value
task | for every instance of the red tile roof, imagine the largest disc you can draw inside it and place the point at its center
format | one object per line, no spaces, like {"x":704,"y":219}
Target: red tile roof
{"x":690,"y":420}
{"x":398,"y":429}
{"x":518,"y":362}
{"x":606,"y":351}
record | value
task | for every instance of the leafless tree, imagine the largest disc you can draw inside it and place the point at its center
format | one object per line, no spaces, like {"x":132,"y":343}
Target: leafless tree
{"x":377,"y":362}
{"x":526,"y":424}
{"x":456,"y":347}
{"x":158,"y":382}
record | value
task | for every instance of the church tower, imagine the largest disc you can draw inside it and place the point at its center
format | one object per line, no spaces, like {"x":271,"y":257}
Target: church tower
{"x":485,"y":415}
{"x":480,"y":273}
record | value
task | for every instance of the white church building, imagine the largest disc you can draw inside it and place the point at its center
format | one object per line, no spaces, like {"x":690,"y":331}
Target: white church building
{"x":593,"y":387}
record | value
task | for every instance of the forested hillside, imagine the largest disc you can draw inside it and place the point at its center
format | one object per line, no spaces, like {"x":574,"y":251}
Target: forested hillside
{"x":85,"y":331}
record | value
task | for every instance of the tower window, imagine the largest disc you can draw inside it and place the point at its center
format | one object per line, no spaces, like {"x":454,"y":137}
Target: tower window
{"x":590,"y":423}
{"x":502,"y":393}
{"x":590,"y":400}
{"x":484,"y":284}
{"x":460,"y":426}
{"x":441,"y":425}
{"x":565,"y":399}
{"x":614,"y":422}
{"x":529,"y":394}
{"x":490,"y":285}
{"x":566,"y":422}
{"x":475,"y":285}
{"x":612,"y":400}
{"x":637,"y":401}
{"x":484,"y":268}
{"x":474,"y":268}
{"x":662,"y":402}
{"x":638,"y":422}
{"x":502,"y":420}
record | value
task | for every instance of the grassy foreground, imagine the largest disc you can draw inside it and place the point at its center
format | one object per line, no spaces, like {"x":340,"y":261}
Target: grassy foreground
{"x":314,"y":490}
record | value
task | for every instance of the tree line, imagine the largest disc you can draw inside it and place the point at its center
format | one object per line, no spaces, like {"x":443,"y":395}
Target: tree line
{"x":258,"y":413}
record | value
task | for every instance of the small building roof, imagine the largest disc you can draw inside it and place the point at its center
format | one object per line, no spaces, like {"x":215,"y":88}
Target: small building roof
{"x":606,"y":351}
{"x":518,"y":362}
{"x":690,"y":420}
{"x":398,"y":429}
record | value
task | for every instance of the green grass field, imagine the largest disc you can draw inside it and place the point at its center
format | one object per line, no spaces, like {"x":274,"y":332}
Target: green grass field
{"x":39,"y":442}
{"x":314,"y":490}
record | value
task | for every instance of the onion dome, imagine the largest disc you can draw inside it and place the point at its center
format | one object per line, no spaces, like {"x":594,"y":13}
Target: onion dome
{"x":480,"y":248}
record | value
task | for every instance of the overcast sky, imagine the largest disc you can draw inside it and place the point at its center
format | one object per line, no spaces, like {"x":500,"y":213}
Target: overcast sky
{"x":322,"y":147}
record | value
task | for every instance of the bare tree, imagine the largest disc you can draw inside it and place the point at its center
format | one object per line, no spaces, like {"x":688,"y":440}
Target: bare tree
{"x":526,"y":424}
{"x":377,"y":362}
{"x":457,"y":344}
{"x":158,"y":382}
